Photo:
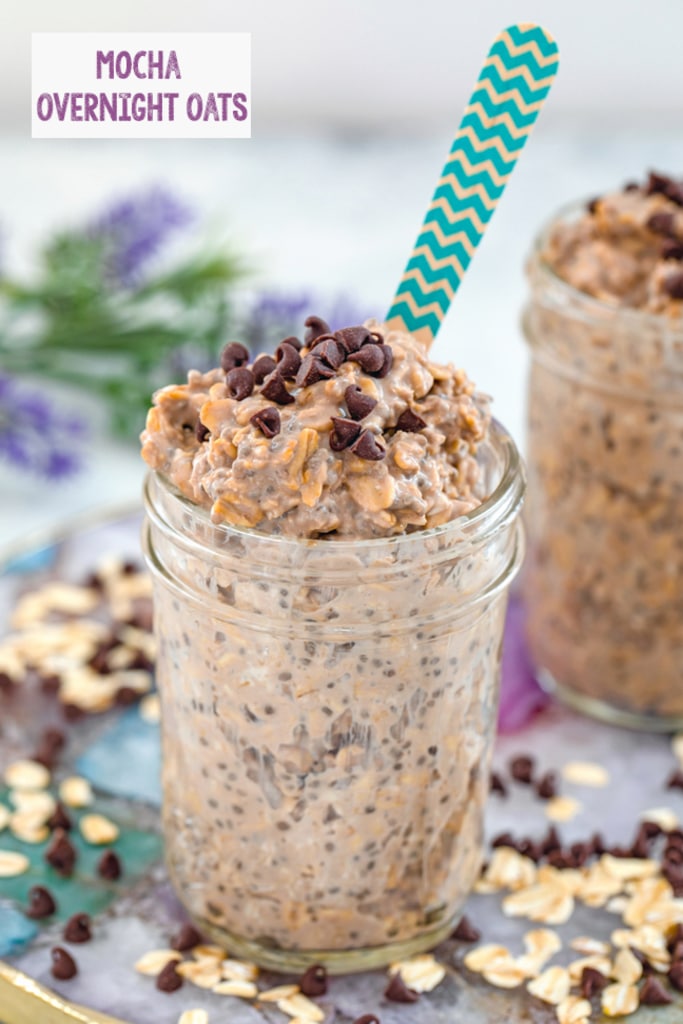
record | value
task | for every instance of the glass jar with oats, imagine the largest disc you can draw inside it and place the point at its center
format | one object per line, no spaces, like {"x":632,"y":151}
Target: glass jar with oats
{"x":603,"y":580}
{"x":331,"y":562}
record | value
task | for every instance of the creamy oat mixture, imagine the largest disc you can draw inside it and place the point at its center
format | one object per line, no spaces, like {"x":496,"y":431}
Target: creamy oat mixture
{"x":355,"y":434}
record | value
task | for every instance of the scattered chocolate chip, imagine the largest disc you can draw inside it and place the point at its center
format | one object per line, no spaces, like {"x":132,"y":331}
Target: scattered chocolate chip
{"x":59,"y":819}
{"x":580,"y":853}
{"x":275,"y":390}
{"x":659,"y":183}
{"x":63,"y":964}
{"x":314,"y":981}
{"x":671,"y":250}
{"x":641,"y":842}
{"x":592,"y":204}
{"x":674,"y":937}
{"x":262,"y":367}
{"x":398,"y":992}
{"x":267,"y":420}
{"x":186,"y":938}
{"x":315,"y":326}
{"x":358,"y":403}
{"x":313,"y":370}
{"x":528,"y":848}
{"x":675,"y":976}
{"x":168,"y":979}
{"x":72,"y":712}
{"x":239,"y":383}
{"x":352,"y":337}
{"x":370,"y":358}
{"x":368,"y":447}
{"x":661,"y":223}
{"x":677,"y":952}
{"x":675,"y":780}
{"x":592,"y":982}
{"x":50,"y":744}
{"x":51,"y":683}
{"x":410,"y":422}
{"x":522,"y":769}
{"x":367,"y":1018}
{"x":673,"y":285}
{"x":643,"y":960}
{"x":77,"y":928}
{"x":61,"y":854}
{"x":496,"y":784}
{"x":653,"y":993}
{"x":41,"y":903}
{"x":343,"y":435}
{"x":546,"y":787}
{"x":233,"y":355}
{"x":652,"y":829}
{"x":331,"y":352}
{"x":673,"y":855}
{"x":6,"y":683}
{"x":388,"y":361}
{"x":126,"y":696}
{"x":288,"y":360}
{"x":109,"y":866}
{"x":504,"y":839}
{"x":465,"y":931}
{"x":560,"y":859}
{"x":201,"y":432}
{"x":552,"y":841}
{"x":631,"y":186}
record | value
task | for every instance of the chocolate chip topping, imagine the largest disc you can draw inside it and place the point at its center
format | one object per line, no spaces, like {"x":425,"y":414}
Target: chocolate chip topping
{"x":293,"y":341}
{"x":187,"y":938}
{"x":275,"y":390}
{"x":331,"y":352}
{"x":522,"y":769}
{"x":267,"y":420}
{"x":41,"y":903}
{"x":59,"y":819}
{"x":631,"y":186}
{"x":592,"y":982}
{"x":368,"y":447}
{"x":288,"y":360}
{"x":496,"y":785}
{"x":315,"y":326}
{"x":314,"y":981}
{"x":675,"y":780}
{"x":77,"y":928}
{"x":343,"y":435}
{"x":352,"y":337}
{"x":262,"y":367}
{"x":676,"y":975}
{"x":109,"y":866}
{"x":367,"y":1018}
{"x":659,"y":183}
{"x":546,"y":787}
{"x":673,"y":285}
{"x":370,"y":358}
{"x":358,"y":403}
{"x":671,"y":249}
{"x":398,"y":992}
{"x":662,"y":223}
{"x":653,"y":993}
{"x":388,"y":361}
{"x":313,"y":370}
{"x":410,"y":422}
{"x":592,"y":204}
{"x":168,"y":979}
{"x":465,"y":931}
{"x":63,"y":964}
{"x":61,"y":854}
{"x":201,"y":432}
{"x":234,"y":354}
{"x":239,"y":383}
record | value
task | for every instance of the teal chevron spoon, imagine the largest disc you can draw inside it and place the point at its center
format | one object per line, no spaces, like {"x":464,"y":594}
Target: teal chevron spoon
{"x":514,"y":82}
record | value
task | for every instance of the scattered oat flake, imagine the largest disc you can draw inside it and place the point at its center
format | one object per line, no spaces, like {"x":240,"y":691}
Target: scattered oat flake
{"x":552,"y":986}
{"x":562,"y":808}
{"x":627,"y":868}
{"x":239,"y":970}
{"x":508,"y":869}
{"x":573,"y":1010}
{"x":542,"y":902}
{"x":619,"y":1000}
{"x":193,"y":1017}
{"x":595,"y":961}
{"x":204,"y":951}
{"x":150,"y":708}
{"x":585,"y":773}
{"x":273,"y":995}
{"x":33,"y":801}
{"x":27,"y":774}
{"x":153,"y":962}
{"x":662,"y":816}
{"x":98,"y":830}
{"x":627,"y":969}
{"x":75,"y":791}
{"x":242,"y":989}
{"x":300,"y":1005}
{"x":202,"y":973}
{"x":28,"y":827}
{"x":505,"y":974}
{"x":421,"y":973}
{"x":482,"y":956}
{"x":12,"y":864}
{"x":589,"y":946}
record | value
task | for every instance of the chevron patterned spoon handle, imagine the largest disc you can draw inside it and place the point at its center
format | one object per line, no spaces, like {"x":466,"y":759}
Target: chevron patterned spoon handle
{"x":514,"y":81}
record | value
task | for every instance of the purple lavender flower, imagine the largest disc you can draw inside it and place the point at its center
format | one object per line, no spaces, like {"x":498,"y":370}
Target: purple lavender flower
{"x":134,"y":229}
{"x":35,"y":435}
{"x":276,"y":314}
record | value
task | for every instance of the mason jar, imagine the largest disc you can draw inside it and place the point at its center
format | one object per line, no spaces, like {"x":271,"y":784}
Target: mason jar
{"x":328,"y":714}
{"x":603,"y":578}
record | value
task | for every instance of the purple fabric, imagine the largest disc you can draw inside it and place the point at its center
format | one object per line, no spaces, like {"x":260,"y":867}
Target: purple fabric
{"x":520,"y":694}
{"x":35,"y":435}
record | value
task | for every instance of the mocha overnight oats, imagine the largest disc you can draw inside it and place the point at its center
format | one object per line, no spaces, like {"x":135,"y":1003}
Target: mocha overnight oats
{"x":605,"y":454}
{"x":332,"y":532}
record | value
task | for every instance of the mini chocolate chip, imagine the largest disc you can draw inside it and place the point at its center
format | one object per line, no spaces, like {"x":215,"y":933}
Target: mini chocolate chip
{"x":262,"y":367}
{"x":233,"y":355}
{"x":50,"y":683}
{"x":41,"y":903}
{"x":315,"y":326}
{"x":504,"y":839}
{"x":370,"y":358}
{"x":288,"y":360}
{"x":59,"y":819}
{"x":201,"y":432}
{"x":358,"y":403}
{"x":580,"y":853}
{"x":239,"y":383}
{"x":77,"y":928}
{"x":352,"y":337}
{"x":313,"y":370}
{"x":671,"y":250}
{"x":465,"y":931}
{"x":528,"y":848}
{"x":677,"y":952}
{"x":6,"y":683}
{"x":661,"y":223}
{"x":367,"y":1018}
{"x":314,"y":981}
{"x":186,"y":938}
{"x":522,"y":769}
{"x":126,"y":696}
{"x":275,"y":390}
{"x":673,"y":285}
{"x":658,"y":183}
{"x":592,"y":204}
{"x":675,"y":975}
{"x":398,"y":992}
{"x":410,"y":422}
{"x":331,"y":352}
{"x":675,"y":780}
{"x":109,"y":866}
{"x":344,"y":433}
{"x":388,"y":361}
{"x":631,"y":186}
{"x":168,"y":979}
{"x":552,"y":841}
{"x":61,"y":854}
{"x":653,"y":993}
{"x":546,"y":787}
{"x":293,"y":341}
{"x":592,"y":982}
{"x":63,"y":964}
{"x":267,"y":420}
{"x":368,"y":447}
{"x":496,"y":784}
{"x":50,"y":744}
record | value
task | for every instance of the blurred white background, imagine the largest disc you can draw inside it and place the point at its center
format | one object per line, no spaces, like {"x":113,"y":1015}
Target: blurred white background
{"x":354,"y":108}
